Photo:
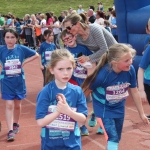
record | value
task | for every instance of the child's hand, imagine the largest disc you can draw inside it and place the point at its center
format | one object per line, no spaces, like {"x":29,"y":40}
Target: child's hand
{"x":62,"y":105}
{"x":143,"y":96}
{"x":83,"y":59}
{"x":144,"y":119}
{"x":42,"y":67}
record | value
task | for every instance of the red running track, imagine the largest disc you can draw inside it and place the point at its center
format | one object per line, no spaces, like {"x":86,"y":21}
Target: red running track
{"x":134,"y":137}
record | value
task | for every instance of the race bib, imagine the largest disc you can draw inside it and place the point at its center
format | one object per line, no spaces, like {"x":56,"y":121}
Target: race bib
{"x":80,"y":71}
{"x":62,"y":122}
{"x":12,"y":67}
{"x":117,"y":93}
{"x":48,"y":55}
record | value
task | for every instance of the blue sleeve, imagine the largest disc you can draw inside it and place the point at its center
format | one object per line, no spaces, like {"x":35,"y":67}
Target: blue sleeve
{"x":41,"y":49}
{"x":42,"y":104}
{"x":147,"y":40}
{"x":98,"y":80}
{"x":27,"y":51}
{"x":81,"y":104}
{"x":145,"y":61}
{"x":87,"y":52}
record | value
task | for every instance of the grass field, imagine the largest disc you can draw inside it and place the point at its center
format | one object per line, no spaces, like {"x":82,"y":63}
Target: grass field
{"x":21,"y":7}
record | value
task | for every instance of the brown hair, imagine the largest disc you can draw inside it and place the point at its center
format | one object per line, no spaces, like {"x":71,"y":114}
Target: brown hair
{"x":64,"y":33}
{"x":74,"y":18}
{"x":56,"y":56}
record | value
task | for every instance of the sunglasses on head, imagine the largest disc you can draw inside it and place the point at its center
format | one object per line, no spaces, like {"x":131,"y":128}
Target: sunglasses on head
{"x":69,"y":28}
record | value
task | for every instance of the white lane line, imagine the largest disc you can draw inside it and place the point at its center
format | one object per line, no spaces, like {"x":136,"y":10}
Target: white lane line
{"x":23,"y":144}
{"x":132,"y":109}
{"x":95,"y":142}
{"x":30,"y":102}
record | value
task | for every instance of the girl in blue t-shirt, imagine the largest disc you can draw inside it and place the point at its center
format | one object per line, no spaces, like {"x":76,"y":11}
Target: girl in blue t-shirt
{"x":109,"y":84}
{"x":13,"y":89}
{"x":144,"y":76}
{"x":60,"y":105}
{"x":45,"y":51}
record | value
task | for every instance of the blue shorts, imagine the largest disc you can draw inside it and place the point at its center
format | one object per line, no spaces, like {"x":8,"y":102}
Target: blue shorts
{"x":12,"y":97}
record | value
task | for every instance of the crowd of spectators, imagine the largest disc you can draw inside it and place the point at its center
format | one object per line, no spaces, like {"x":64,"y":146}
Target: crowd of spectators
{"x":31,"y":27}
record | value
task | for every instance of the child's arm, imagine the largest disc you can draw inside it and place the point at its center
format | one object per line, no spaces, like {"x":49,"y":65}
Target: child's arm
{"x":48,"y":119}
{"x":87,"y":92}
{"x":141,"y":84}
{"x":40,"y":63}
{"x":137,"y":100}
{"x":64,"y":108}
{"x":30,"y":59}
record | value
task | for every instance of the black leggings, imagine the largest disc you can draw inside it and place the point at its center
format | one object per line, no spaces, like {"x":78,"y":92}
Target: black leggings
{"x":147,"y":91}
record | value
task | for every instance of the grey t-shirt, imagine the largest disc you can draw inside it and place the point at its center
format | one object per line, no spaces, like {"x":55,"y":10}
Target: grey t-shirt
{"x":98,"y":42}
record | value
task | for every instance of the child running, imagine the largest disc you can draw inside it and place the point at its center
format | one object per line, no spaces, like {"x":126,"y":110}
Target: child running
{"x":109,"y":84}
{"x":144,"y":76}
{"x":60,"y":105}
{"x":45,"y":51}
{"x":13,"y":89}
{"x":80,"y":72}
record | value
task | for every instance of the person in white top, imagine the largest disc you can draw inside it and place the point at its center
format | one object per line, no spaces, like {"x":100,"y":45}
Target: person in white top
{"x":80,"y":10}
{"x":56,"y":31}
{"x":42,"y":23}
{"x":99,"y":18}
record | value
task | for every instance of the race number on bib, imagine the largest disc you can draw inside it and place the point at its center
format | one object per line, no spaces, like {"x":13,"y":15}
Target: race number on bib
{"x":117,"y":93}
{"x":12,"y":67}
{"x":48,"y":55}
{"x":62,"y":122}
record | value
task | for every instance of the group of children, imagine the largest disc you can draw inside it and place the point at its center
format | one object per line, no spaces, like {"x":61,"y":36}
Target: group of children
{"x":61,"y":105}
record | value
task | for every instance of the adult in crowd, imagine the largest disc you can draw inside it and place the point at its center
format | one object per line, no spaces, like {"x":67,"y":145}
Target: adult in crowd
{"x":91,"y":16}
{"x":93,"y":8}
{"x":56,"y":31}
{"x":42,"y":25}
{"x":2,"y":21}
{"x":8,"y":22}
{"x":100,"y":6}
{"x":110,"y":15}
{"x":61,"y":17}
{"x":26,"y":34}
{"x":114,"y":25}
{"x":80,"y":9}
{"x":49,"y":20}
{"x":70,"y":10}
{"x":99,"y":18}
{"x":93,"y":36}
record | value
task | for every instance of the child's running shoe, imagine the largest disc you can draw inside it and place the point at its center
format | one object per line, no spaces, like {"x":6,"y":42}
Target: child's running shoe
{"x":10,"y":136}
{"x":92,"y":121}
{"x":148,"y":117}
{"x":100,"y":131}
{"x":15,"y":128}
{"x":84,"y":130}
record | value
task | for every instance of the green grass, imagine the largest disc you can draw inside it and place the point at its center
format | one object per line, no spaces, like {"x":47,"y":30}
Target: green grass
{"x":21,"y":7}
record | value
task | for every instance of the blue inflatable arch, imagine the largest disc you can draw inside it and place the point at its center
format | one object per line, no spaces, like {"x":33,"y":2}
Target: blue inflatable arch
{"x":132,"y":17}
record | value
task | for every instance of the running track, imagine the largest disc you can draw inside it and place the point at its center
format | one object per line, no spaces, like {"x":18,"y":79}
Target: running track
{"x":134,"y":137}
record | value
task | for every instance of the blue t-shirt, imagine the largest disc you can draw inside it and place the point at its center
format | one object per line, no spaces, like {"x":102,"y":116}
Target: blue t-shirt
{"x":114,"y":30}
{"x":145,"y":64}
{"x":45,"y":52}
{"x":110,"y":90}
{"x":75,"y":51}
{"x":147,"y":40}
{"x":18,"y":28}
{"x":12,"y":74}
{"x":57,"y":139}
